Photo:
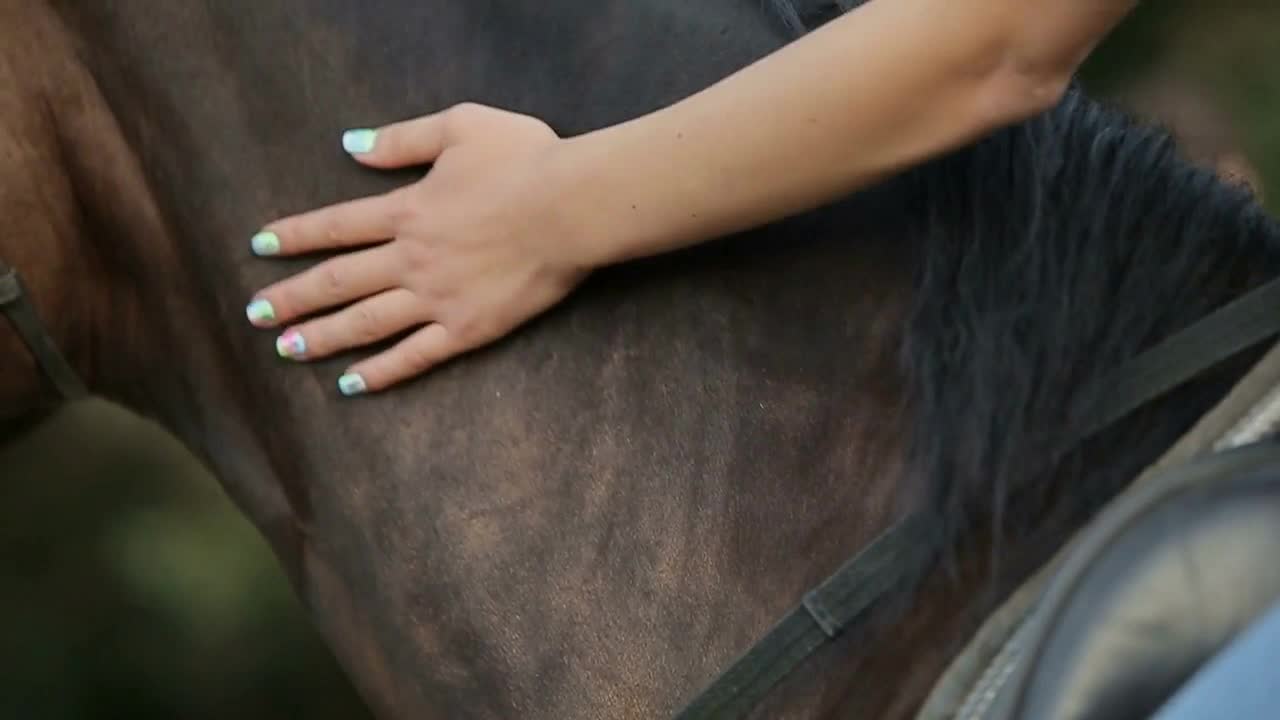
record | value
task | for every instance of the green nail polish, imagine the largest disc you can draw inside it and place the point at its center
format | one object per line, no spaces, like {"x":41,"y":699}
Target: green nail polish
{"x":259,"y":311}
{"x":265,"y":243}
{"x":359,"y":141}
{"x":351,"y":384}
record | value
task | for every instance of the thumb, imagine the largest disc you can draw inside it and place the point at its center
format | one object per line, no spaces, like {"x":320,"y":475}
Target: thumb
{"x":411,"y":142}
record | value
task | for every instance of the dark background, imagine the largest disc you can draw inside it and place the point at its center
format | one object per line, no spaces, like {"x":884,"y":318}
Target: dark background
{"x":130,"y":587}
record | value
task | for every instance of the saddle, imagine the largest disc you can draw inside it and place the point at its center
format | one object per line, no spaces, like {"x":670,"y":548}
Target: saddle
{"x":1159,"y":583}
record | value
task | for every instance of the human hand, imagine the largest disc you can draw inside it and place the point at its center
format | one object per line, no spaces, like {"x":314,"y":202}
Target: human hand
{"x":466,"y":254}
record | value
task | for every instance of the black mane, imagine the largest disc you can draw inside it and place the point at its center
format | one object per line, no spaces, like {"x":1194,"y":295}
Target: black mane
{"x":1048,"y":254}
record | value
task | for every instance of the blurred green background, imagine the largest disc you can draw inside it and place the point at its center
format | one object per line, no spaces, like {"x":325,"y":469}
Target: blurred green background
{"x":132,"y":588}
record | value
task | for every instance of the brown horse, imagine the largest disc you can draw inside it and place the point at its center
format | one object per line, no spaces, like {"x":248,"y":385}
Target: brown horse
{"x":593,"y":517}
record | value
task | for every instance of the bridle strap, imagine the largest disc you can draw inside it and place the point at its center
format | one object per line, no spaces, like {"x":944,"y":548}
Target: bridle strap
{"x":904,"y":549}
{"x":16,"y":305}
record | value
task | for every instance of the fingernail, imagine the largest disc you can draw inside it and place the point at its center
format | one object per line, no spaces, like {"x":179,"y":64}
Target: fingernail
{"x":359,"y":141}
{"x":291,"y":345}
{"x":351,"y":384}
{"x":260,"y":311}
{"x":265,"y":243}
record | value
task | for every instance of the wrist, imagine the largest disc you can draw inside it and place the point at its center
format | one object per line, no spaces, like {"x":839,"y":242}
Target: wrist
{"x":622,"y":195}
{"x":582,"y":180}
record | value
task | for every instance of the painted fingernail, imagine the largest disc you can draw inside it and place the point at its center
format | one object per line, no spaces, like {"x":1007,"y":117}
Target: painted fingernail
{"x":359,"y":141}
{"x":265,"y":243}
{"x":291,"y":345}
{"x":260,"y":311}
{"x":351,"y":384}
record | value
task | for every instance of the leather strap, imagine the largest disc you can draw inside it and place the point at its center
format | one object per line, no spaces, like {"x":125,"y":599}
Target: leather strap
{"x":16,"y":305}
{"x":1232,"y":328}
{"x":826,"y":610}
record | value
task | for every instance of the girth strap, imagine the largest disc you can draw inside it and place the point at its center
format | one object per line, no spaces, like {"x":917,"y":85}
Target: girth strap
{"x":16,"y":305}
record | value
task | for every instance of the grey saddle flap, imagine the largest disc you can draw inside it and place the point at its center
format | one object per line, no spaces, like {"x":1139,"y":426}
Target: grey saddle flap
{"x":1162,"y":580}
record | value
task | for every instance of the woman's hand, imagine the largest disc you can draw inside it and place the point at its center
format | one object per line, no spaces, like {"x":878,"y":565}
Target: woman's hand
{"x":465,"y":255}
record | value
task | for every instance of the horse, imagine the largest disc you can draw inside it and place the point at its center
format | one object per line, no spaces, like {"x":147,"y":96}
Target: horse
{"x":594,"y":516}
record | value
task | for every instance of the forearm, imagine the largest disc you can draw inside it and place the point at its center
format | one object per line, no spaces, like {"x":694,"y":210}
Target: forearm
{"x":882,"y":88}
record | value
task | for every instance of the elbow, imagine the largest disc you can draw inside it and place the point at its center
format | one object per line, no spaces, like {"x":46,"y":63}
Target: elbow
{"x":1026,"y":66}
{"x":1036,"y":90}
{"x":1015,"y":90}
{"x":1033,"y":48}
{"x":1033,"y":59}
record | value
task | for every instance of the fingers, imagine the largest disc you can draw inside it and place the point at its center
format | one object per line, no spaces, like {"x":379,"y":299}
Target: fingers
{"x":366,"y":220}
{"x":363,"y":323}
{"x":336,"y":281}
{"x":369,"y":321}
{"x":412,"y":356}
{"x":421,"y":140}
{"x":369,"y":278}
{"x":410,"y":142}
{"x":347,"y":224}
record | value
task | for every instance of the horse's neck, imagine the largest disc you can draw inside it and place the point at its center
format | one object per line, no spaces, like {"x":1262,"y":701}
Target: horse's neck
{"x":724,"y":437}
{"x":721,"y":436}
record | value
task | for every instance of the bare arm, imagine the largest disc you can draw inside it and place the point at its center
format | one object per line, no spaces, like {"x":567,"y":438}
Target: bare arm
{"x":888,"y":85}
{"x":511,"y":217}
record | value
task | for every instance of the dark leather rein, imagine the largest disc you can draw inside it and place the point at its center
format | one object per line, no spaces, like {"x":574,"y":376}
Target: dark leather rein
{"x":902,"y":551}
{"x":15,"y":303}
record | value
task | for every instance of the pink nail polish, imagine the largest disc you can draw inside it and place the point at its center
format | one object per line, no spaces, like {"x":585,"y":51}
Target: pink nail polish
{"x":291,"y":345}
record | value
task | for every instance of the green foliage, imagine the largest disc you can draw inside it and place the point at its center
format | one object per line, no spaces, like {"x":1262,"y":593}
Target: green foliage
{"x":134,"y":589}
{"x":1226,"y":50}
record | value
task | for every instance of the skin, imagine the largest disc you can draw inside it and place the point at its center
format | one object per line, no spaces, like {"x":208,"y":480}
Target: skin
{"x":511,"y":217}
